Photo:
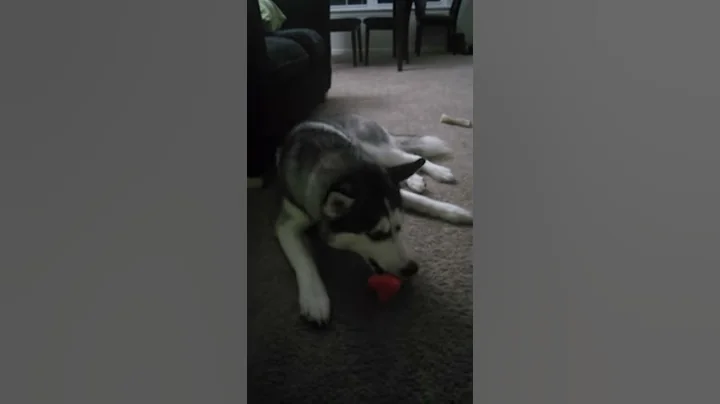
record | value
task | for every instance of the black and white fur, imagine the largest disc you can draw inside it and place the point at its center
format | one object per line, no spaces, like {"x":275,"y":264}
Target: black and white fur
{"x":352,"y":179}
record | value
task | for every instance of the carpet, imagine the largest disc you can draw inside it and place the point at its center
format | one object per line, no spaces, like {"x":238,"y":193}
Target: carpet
{"x":416,"y":348}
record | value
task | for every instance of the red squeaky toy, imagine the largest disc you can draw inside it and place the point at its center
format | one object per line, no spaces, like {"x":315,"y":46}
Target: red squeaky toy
{"x":385,"y":285}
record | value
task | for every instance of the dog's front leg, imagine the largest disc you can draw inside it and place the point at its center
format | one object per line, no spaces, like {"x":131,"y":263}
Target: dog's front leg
{"x":312,"y":296}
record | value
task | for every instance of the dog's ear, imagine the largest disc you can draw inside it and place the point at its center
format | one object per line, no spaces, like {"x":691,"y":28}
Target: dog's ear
{"x":337,"y":204}
{"x":402,"y":172}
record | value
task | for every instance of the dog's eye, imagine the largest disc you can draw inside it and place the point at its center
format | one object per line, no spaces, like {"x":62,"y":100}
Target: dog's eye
{"x":397,"y":228}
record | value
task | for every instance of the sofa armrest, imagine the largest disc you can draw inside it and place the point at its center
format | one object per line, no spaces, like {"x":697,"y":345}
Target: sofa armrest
{"x":258,"y":64}
{"x":312,"y":14}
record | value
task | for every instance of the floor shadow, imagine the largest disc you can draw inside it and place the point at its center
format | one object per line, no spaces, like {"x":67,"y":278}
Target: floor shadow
{"x":349,"y":103}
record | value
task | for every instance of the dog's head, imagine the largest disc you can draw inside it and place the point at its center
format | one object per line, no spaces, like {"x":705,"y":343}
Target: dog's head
{"x":362,"y":213}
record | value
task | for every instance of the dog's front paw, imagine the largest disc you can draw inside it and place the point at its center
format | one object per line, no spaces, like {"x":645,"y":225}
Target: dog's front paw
{"x":416,"y":183}
{"x":441,"y":174}
{"x":457,"y":215}
{"x":315,"y":306}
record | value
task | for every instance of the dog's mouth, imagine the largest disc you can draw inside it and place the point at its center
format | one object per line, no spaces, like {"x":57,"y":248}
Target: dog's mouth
{"x":375,"y":266}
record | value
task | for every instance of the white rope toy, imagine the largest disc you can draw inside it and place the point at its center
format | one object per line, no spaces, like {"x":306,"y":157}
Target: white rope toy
{"x":465,"y":123}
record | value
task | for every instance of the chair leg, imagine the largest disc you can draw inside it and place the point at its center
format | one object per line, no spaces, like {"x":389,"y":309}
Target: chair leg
{"x":406,"y":40}
{"x":450,"y":35}
{"x":406,"y":44}
{"x":406,"y":33}
{"x":353,"y":39}
{"x":394,"y":46}
{"x":418,"y":39}
{"x":448,"y":45}
{"x":359,"y":39}
{"x":367,"y":46}
{"x":394,"y":13}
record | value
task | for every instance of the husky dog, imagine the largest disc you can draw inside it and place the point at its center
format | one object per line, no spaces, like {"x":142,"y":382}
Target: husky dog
{"x":352,"y":179}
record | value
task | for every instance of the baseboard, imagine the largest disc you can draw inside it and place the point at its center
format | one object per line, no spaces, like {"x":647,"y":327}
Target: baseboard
{"x":348,"y":51}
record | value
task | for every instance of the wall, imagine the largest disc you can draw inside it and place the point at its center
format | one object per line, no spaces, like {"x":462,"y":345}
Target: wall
{"x":465,"y":20}
{"x":433,"y":38}
{"x":381,"y":41}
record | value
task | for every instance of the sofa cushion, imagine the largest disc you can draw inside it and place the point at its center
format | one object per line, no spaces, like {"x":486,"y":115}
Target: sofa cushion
{"x":310,"y":40}
{"x":287,"y":58}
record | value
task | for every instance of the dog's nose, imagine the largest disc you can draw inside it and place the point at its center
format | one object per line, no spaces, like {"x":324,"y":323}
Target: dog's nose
{"x":410,"y":269}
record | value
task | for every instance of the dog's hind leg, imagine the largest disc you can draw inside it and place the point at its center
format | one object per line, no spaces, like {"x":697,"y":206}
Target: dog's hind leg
{"x":423,"y":146}
{"x":312,"y":296}
{"x":390,"y":157}
{"x":436,"y":209}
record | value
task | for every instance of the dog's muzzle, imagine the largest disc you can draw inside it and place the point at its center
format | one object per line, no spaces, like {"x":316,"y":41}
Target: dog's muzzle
{"x":375,"y":266}
{"x":409,"y":270}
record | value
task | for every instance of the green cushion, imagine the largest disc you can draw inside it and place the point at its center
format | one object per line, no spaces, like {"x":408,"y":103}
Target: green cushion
{"x":272,"y":16}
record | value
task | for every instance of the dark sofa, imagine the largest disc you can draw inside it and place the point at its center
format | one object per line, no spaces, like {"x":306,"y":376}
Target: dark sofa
{"x":289,"y":74}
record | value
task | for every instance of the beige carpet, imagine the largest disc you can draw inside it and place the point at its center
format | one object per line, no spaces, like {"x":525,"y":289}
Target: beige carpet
{"x":415,"y":349}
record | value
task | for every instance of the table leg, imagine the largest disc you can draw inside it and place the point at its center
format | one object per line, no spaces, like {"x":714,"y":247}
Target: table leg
{"x":401,"y":27}
{"x":406,"y":36}
{"x":360,"y":48}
